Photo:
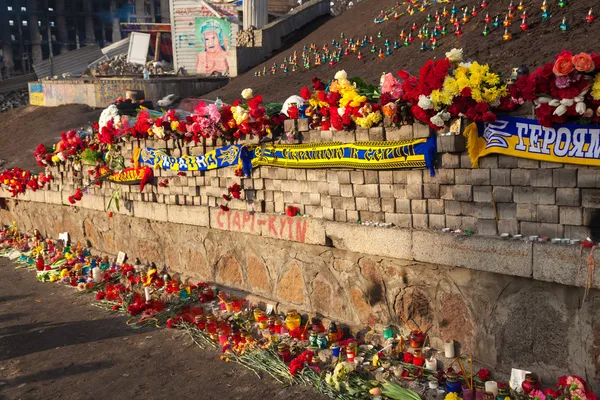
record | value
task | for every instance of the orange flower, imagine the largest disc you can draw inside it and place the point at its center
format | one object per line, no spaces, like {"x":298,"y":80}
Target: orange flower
{"x":390,"y":109}
{"x":563,"y":65}
{"x":583,"y":62}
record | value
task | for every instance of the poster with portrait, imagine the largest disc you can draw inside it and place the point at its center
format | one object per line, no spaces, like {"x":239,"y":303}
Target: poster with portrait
{"x":212,"y":39}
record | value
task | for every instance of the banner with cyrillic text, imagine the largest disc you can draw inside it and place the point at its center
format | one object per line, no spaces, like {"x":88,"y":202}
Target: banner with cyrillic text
{"x":526,"y":138}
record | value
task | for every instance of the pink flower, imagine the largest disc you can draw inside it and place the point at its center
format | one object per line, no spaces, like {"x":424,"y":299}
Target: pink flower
{"x":537,"y":395}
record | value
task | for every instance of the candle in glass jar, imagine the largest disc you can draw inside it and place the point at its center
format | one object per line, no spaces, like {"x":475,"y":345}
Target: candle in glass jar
{"x":147,"y":294}
{"x":449,"y":348}
{"x":492,"y":387}
{"x":97,"y":274}
{"x":431,"y":364}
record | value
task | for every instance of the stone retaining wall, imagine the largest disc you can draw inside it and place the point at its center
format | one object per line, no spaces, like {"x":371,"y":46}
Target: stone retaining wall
{"x":505,"y":321}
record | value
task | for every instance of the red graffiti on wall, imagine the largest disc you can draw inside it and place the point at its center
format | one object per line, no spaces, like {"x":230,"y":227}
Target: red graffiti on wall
{"x":280,"y":227}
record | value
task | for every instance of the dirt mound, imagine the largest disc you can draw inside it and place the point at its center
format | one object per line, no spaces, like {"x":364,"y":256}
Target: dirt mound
{"x":534,"y":47}
{"x":22,"y":129}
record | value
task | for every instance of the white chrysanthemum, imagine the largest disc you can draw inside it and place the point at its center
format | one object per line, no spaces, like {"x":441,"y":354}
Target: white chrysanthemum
{"x":455,"y":55}
{"x":425,"y":102}
{"x":341,"y":75}
{"x":247,"y":94}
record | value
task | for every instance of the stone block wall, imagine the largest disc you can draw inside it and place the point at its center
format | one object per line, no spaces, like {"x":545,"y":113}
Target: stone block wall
{"x":358,"y":278}
{"x":504,"y":195}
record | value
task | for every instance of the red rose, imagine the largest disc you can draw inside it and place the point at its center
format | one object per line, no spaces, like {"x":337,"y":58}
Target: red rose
{"x":407,"y":358}
{"x":483,"y":374}
{"x":403,"y":74}
{"x":100,"y":295}
{"x":489,"y":117}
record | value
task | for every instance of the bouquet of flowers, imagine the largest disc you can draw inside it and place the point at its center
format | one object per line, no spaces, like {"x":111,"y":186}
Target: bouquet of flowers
{"x":206,"y":122}
{"x":450,"y":88}
{"x":571,"y":387}
{"x":563,"y":90}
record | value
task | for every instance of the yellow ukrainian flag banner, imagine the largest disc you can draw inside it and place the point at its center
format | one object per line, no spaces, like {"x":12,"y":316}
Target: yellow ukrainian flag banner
{"x":526,"y":138}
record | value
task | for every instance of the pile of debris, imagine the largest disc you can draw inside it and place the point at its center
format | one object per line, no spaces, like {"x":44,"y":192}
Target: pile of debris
{"x":13,"y":99}
{"x":118,"y":65}
{"x":245,"y":38}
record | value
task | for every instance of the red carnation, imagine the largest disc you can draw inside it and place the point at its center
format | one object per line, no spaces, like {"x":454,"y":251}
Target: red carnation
{"x":305,"y":93}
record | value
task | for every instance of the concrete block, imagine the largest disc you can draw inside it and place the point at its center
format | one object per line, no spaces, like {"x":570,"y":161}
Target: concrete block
{"x":333,"y":188}
{"x":415,"y":177}
{"x":507,"y":210}
{"x":489,"y":161}
{"x":590,"y":198}
{"x":386,"y":177}
{"x":362,"y":204}
{"x":571,"y":215}
{"x":357,"y":177}
{"x":474,"y":252}
{"x":482,"y":193}
{"x":328,"y":213}
{"x":343,"y":176}
{"x":484,"y":211}
{"x":503,"y":194}
{"x":531,"y":195}
{"x":465,"y":161}
{"x":541,"y":178}
{"x":343,"y":203}
{"x":388,"y":205}
{"x":577,"y":232}
{"x":346,"y":190}
{"x":442,"y":177}
{"x":419,"y":206}
{"x":588,"y":178}
{"x":367,"y":190}
{"x":420,"y":221}
{"x":520,"y":177}
{"x":376,"y":134}
{"x":402,"y":133}
{"x":421,"y":131}
{"x":399,"y":220}
{"x":468,"y":208}
{"x":452,"y":207}
{"x":374,"y":204}
{"x":371,"y":177}
{"x":399,"y":191}
{"x":435,"y":206}
{"x":550,"y":230}
{"x":386,"y":191}
{"x":93,"y":202}
{"x":561,"y":264}
{"x":507,"y":161}
{"x":551,"y":165}
{"x":198,"y":216}
{"x":450,"y":160}
{"x":456,"y":192}
{"x":431,"y":191}
{"x":303,"y":125}
{"x":371,"y":216}
{"x":500,"y":177}
{"x":526,"y":212}
{"x":332,"y":176}
{"x":487,"y":227}
{"x":451,"y":144}
{"x":403,"y":206}
{"x":526,"y":163}
{"x":564,"y":178}
{"x":152,"y":211}
{"x":508,"y":226}
{"x":547,"y":214}
{"x":352,"y":216}
{"x":414,"y":191}
{"x":437,"y":221}
{"x":400,"y":176}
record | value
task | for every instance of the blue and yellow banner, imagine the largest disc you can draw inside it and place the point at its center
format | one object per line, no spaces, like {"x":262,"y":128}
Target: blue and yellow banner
{"x":228,"y":156}
{"x":526,"y":138}
{"x":418,"y":153}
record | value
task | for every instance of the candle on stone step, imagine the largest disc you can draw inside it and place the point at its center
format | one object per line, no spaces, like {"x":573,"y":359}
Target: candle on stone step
{"x":97,"y":274}
{"x":147,"y":294}
{"x":492,"y":387}
{"x":449,"y":348}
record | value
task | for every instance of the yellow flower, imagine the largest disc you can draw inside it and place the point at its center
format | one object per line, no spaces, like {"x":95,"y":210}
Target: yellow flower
{"x":596,"y":88}
{"x":174,"y":125}
{"x":492,"y":79}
